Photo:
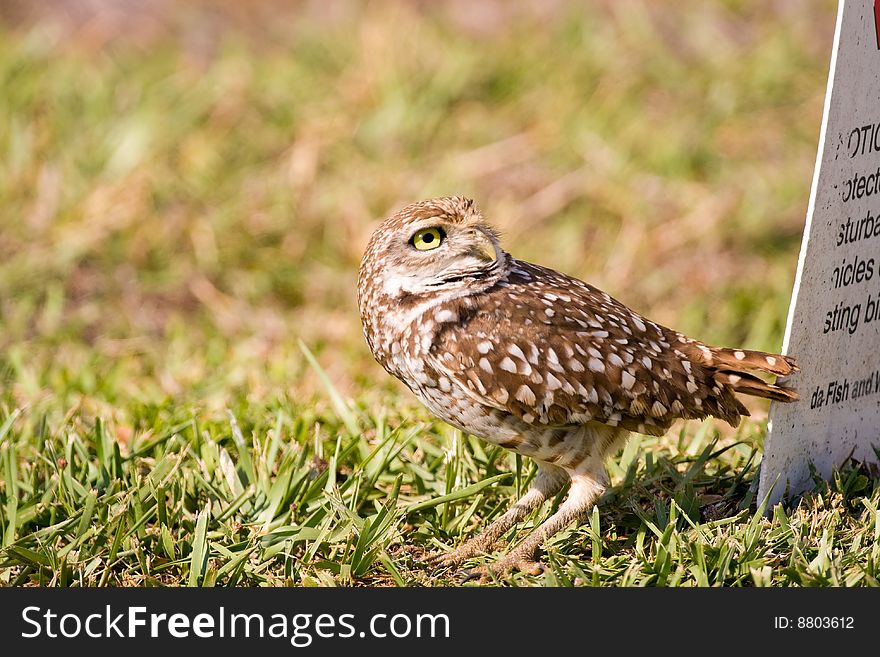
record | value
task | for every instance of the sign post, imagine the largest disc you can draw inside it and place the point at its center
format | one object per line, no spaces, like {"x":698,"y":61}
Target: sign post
{"x":834,"y":320}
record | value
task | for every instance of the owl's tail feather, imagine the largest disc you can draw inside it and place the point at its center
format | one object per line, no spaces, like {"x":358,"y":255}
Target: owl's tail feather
{"x":749,"y":384}
{"x":751,"y":361}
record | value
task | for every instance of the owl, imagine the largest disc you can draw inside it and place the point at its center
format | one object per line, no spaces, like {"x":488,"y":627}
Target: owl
{"x":535,"y":361}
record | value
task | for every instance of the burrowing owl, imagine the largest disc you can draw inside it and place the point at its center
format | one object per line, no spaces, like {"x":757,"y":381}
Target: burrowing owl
{"x":533,"y":360}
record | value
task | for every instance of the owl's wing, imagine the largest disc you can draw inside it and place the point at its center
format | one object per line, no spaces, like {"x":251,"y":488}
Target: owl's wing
{"x":553,"y":350}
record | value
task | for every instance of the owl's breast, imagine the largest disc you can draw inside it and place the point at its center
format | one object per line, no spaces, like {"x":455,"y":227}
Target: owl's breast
{"x":409,"y":346}
{"x":400,"y":334}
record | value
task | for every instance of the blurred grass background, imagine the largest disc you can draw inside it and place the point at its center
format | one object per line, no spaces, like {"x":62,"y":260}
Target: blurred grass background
{"x":185,"y":192}
{"x":186,"y":188}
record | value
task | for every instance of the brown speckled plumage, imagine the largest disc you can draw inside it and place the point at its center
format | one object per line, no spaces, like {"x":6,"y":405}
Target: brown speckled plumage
{"x":533,"y":360}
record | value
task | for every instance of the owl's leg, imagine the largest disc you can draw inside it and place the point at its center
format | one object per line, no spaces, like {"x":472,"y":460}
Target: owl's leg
{"x":549,"y":481}
{"x":585,"y":490}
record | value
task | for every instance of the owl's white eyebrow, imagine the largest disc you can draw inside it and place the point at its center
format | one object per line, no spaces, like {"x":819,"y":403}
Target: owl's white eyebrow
{"x":433,"y":222}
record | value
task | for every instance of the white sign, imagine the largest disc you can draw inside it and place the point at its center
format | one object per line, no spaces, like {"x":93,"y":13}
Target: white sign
{"x":834,"y":321}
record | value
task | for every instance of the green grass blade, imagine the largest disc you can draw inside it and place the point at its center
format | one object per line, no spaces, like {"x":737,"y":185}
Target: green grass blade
{"x":199,"y":555}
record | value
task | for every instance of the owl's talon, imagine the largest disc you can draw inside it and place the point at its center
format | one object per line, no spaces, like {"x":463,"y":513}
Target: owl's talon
{"x":534,"y":568}
{"x":443,"y":559}
{"x":502,"y":567}
{"x":436,"y":571}
{"x":472,"y":574}
{"x":467,"y":550}
{"x":438,"y":562}
{"x":522,"y":562}
{"x":435,"y":557}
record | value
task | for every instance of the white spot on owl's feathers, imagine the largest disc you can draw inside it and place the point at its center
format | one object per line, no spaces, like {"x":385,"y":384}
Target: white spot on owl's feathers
{"x":525,"y":395}
{"x":508,"y":365}
{"x":445,"y":315}
{"x":552,"y":382}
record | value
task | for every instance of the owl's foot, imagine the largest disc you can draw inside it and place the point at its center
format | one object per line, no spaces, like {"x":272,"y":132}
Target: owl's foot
{"x":523,"y":561}
{"x":472,"y":548}
{"x":585,"y":489}
{"x":547,"y":483}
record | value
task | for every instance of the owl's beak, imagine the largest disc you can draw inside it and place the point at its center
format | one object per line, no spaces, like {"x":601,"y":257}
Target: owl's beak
{"x":482,"y":246}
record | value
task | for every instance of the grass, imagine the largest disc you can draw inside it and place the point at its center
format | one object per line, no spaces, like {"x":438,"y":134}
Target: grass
{"x":185,"y":396}
{"x":305,"y":501}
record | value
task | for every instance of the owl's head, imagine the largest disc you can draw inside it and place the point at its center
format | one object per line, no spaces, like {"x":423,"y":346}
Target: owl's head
{"x":436,"y":246}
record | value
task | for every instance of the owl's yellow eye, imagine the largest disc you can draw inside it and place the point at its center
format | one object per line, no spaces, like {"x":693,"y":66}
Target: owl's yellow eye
{"x":427,"y":239}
